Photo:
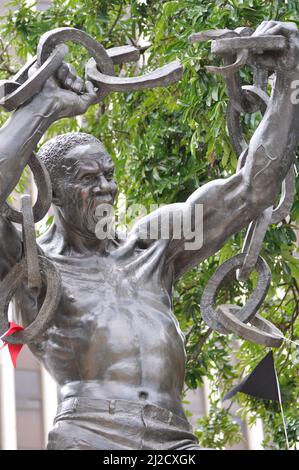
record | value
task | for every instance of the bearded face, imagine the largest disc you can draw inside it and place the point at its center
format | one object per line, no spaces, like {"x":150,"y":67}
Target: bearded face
{"x":87,"y":184}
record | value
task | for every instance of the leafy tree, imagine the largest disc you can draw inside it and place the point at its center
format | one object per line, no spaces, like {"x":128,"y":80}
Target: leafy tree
{"x":166,"y":143}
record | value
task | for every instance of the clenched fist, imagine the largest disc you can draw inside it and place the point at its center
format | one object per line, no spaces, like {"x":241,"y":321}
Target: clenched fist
{"x":70,"y":94}
{"x":287,"y":60}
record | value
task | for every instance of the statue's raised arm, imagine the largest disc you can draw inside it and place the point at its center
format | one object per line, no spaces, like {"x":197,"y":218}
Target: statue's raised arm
{"x":230,"y":204}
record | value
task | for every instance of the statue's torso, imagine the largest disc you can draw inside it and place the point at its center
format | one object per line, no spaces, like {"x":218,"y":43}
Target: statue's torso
{"x":115,"y":326}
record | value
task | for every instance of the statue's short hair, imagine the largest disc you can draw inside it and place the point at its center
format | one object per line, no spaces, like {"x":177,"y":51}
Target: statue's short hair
{"x":53,"y":151}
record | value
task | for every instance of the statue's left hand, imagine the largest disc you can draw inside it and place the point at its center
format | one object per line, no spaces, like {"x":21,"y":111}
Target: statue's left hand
{"x":287,"y":60}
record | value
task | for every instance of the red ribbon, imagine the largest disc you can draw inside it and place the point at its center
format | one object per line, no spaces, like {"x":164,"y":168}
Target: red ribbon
{"x":14,"y":349}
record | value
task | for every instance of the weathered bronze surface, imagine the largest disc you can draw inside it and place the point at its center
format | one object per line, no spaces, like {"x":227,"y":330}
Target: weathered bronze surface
{"x":102,"y":321}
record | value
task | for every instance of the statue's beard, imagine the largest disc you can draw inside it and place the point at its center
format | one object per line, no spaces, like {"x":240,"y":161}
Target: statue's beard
{"x":94,"y":212}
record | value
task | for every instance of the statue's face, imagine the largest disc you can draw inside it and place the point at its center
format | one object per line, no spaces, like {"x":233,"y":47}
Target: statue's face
{"x":88,"y":182}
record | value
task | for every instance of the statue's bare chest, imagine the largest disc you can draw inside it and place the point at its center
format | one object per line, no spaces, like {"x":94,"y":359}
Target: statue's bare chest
{"x":109,"y":319}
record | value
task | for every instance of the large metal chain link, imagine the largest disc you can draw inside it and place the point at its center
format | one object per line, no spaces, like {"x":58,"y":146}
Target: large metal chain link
{"x":44,"y":193}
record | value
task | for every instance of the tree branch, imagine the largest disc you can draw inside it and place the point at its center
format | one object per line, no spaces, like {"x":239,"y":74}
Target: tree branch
{"x":199,"y":345}
{"x":117,"y":18}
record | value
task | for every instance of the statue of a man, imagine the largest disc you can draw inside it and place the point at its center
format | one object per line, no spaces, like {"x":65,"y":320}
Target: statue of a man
{"x":114,"y":346}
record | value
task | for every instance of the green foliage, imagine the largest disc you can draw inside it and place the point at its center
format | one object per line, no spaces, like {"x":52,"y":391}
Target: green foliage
{"x":218,"y":428}
{"x":168,"y":142}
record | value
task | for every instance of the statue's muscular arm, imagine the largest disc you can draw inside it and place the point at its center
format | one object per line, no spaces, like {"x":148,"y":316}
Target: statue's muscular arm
{"x":19,"y":137}
{"x":230,"y":204}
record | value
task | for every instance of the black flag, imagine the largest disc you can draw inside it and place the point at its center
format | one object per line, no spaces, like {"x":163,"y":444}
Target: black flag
{"x":262,"y":382}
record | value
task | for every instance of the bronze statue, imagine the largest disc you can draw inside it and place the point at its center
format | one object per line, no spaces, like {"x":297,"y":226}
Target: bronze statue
{"x":113,"y":344}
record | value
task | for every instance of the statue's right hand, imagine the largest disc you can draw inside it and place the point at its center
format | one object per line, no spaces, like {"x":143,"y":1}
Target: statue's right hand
{"x":70,"y":94}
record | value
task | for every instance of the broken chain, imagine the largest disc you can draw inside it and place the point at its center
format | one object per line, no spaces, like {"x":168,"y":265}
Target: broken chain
{"x":99,"y":69}
{"x":235,"y":48}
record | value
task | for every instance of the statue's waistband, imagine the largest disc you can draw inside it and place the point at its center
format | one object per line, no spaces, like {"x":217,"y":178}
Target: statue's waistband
{"x":80,"y":407}
{"x":97,"y":404}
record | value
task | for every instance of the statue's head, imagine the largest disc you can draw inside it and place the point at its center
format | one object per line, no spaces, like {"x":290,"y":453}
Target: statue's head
{"x":81,"y":171}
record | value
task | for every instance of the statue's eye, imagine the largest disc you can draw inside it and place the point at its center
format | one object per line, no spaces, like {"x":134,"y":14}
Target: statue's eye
{"x":87,"y":177}
{"x":109,"y":176}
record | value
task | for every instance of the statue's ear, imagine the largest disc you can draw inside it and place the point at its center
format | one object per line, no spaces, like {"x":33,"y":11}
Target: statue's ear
{"x":57,"y":188}
{"x":55,"y":199}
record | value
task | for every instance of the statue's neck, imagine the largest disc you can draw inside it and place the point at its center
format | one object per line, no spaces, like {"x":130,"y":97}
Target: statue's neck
{"x":73,"y":240}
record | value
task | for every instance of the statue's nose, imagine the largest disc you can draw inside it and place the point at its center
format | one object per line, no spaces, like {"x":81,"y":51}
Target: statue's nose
{"x":103,"y":186}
